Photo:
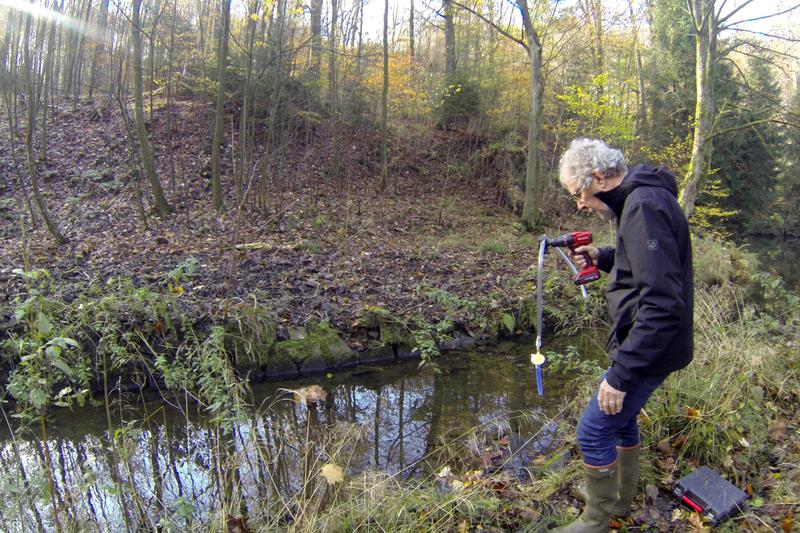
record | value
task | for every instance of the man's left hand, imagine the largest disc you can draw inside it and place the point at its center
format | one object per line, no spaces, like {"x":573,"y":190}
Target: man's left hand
{"x":610,"y":399}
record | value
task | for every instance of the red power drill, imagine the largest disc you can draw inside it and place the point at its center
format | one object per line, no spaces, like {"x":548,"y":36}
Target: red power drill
{"x":573,"y":240}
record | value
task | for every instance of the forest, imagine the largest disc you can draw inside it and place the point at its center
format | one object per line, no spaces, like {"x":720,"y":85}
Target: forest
{"x":269,"y":265}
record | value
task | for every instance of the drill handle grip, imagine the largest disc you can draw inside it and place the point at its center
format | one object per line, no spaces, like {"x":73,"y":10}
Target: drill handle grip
{"x":587,"y":258}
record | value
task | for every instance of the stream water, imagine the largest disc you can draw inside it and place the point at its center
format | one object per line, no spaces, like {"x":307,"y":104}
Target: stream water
{"x":386,"y":417}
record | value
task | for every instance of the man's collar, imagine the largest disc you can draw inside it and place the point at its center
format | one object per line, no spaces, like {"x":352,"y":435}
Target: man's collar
{"x":615,"y":198}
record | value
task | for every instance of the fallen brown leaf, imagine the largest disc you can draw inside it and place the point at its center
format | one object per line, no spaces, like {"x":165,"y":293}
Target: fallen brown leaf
{"x":777,"y":431}
{"x":310,"y":394}
{"x":679,"y":441}
{"x":692,"y":413}
{"x":332,"y":473}
{"x":664,"y":447}
{"x":696,"y":521}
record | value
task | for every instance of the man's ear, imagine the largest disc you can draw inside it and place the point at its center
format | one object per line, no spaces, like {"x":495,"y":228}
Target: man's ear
{"x":600,"y":178}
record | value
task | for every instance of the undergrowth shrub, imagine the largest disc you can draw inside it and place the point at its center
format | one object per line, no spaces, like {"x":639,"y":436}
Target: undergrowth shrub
{"x":718,"y":409}
{"x":251,"y":332}
{"x":715,"y":409}
{"x":718,"y":262}
{"x":460,"y":102}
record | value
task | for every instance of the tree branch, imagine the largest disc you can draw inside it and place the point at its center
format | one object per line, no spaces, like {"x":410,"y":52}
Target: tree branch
{"x":770,"y":35}
{"x":720,"y":21}
{"x":760,"y":58}
{"x":755,"y":123}
{"x":736,"y":44}
{"x":732,"y":24}
{"x":492,"y":23}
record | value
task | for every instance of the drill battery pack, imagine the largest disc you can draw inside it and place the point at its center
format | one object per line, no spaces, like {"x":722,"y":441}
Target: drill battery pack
{"x":709,"y":494}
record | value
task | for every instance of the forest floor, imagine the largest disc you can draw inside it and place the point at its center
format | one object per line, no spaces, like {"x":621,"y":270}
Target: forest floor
{"x":322,"y":244}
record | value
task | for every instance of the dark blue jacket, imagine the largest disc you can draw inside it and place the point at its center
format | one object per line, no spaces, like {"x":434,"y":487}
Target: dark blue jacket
{"x":650,"y":287}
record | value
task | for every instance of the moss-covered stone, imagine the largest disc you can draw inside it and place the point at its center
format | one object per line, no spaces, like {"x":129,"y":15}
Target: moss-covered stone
{"x":318,"y":347}
{"x":392,"y":329}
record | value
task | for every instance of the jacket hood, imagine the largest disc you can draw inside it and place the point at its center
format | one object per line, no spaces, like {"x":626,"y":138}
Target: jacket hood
{"x":638,"y":176}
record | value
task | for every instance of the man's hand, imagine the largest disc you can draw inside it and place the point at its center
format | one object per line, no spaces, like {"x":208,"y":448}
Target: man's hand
{"x":577,"y":255}
{"x":610,"y":399}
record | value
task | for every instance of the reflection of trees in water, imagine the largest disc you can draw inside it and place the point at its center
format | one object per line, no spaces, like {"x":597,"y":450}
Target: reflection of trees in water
{"x":157,"y":467}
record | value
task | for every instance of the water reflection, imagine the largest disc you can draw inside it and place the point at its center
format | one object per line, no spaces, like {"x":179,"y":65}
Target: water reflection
{"x":166,"y":464}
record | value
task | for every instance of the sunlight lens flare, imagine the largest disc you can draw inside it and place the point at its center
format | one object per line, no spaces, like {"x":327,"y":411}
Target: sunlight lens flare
{"x":38,"y":11}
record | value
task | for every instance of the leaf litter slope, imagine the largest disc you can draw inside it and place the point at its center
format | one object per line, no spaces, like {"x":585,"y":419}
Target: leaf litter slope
{"x":325,"y":247}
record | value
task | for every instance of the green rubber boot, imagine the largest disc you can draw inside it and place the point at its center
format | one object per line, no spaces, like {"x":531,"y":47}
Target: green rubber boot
{"x":600,"y":485}
{"x":628,"y":473}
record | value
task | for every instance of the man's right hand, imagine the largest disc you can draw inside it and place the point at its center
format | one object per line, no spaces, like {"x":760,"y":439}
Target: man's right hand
{"x":577,"y":255}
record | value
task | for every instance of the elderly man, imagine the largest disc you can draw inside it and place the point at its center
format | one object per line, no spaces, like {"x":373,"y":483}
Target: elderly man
{"x":650,"y":303}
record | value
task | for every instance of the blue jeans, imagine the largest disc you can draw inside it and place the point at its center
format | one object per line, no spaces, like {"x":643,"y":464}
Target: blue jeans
{"x":599,"y":434}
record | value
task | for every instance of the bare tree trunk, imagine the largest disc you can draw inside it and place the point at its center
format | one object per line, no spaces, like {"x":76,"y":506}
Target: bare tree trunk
{"x":219,"y":124}
{"x":47,"y":76}
{"x":10,"y":89}
{"x":411,"y":32}
{"x":385,"y":97}
{"x":705,"y":28}
{"x":152,"y":51}
{"x":245,"y":142}
{"x":205,"y":13}
{"x":533,"y":185}
{"x":360,"y":49}
{"x":63,"y":39}
{"x":332,"y":57}
{"x":10,"y":14}
{"x":133,"y":162}
{"x":70,"y":54}
{"x":33,"y":107}
{"x":78,"y":66}
{"x":641,"y":111}
{"x":99,"y":46}
{"x":449,"y":43}
{"x":332,"y":89}
{"x":170,"y":109}
{"x":316,"y":39}
{"x":145,"y":149}
{"x":117,"y":57}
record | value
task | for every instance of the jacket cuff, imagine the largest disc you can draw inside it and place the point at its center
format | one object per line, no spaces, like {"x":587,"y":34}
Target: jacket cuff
{"x":605,"y":259}
{"x":618,"y":377}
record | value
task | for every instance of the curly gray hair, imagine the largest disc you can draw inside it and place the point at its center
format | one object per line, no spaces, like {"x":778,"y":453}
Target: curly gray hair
{"x":585,"y":156}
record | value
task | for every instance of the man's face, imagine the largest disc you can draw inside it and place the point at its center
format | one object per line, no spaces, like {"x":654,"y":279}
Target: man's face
{"x":586,"y":200}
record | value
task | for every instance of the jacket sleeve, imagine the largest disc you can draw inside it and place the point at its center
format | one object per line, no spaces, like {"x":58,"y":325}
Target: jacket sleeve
{"x":652,"y":250}
{"x":605,"y":259}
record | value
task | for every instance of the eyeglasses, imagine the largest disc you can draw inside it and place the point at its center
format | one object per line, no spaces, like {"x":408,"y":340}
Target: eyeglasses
{"x":577,"y":194}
